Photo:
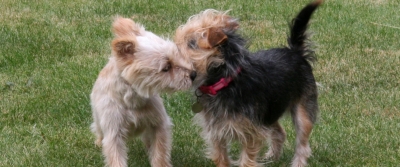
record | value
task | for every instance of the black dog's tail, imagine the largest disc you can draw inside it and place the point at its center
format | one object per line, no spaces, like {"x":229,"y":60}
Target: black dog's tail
{"x":298,"y":37}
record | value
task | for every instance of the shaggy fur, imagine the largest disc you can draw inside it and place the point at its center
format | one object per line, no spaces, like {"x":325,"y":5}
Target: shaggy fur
{"x":264,"y":85}
{"x":125,"y":98}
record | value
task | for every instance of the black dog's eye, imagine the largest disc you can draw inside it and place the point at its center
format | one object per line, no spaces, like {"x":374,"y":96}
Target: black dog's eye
{"x":166,"y":68}
{"x":192,"y":44}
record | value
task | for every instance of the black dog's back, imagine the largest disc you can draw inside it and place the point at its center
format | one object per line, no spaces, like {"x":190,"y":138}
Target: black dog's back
{"x":287,"y":77}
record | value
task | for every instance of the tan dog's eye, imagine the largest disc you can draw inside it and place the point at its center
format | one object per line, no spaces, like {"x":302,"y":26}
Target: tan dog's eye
{"x":192,"y":44}
{"x":166,"y":68}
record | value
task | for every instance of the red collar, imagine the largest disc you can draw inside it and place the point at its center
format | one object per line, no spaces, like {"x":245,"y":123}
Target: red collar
{"x":222,"y":83}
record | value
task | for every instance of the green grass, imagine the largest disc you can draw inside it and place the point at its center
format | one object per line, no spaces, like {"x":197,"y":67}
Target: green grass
{"x":52,"y":51}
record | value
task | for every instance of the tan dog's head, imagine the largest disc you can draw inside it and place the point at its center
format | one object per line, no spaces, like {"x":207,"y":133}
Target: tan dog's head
{"x":200,"y":37}
{"x":147,"y":62}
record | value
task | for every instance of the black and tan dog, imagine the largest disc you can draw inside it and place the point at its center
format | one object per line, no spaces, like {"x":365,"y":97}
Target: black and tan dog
{"x":242,"y":95}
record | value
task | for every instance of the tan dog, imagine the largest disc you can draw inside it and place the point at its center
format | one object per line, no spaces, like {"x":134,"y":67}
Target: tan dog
{"x":125,"y":98}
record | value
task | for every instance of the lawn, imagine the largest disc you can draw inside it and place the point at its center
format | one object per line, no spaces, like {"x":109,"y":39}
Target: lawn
{"x":51,"y":53}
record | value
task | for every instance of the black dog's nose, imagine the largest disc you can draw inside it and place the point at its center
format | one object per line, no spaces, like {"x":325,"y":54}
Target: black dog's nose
{"x":193,"y":75}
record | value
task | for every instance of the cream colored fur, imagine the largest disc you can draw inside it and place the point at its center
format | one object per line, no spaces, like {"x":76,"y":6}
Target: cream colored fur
{"x":125,"y":98}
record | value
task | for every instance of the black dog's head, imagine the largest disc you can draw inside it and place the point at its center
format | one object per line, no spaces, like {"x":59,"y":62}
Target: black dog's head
{"x":205,"y":38}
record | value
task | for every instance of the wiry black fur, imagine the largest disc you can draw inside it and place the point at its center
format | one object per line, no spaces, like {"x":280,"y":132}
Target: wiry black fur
{"x":270,"y":81}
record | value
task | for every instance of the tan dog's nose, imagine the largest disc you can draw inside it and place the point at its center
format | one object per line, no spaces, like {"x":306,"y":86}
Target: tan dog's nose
{"x":193,"y":75}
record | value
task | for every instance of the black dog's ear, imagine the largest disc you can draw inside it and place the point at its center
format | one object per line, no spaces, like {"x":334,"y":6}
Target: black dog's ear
{"x":123,"y":47}
{"x":231,"y":24}
{"x":213,"y":37}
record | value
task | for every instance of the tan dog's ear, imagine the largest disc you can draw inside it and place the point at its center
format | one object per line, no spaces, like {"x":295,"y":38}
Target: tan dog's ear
{"x":125,"y":27}
{"x":123,"y":47}
{"x":213,"y":37}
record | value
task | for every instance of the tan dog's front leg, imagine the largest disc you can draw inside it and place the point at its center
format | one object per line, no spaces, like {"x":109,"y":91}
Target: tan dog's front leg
{"x":159,"y":143}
